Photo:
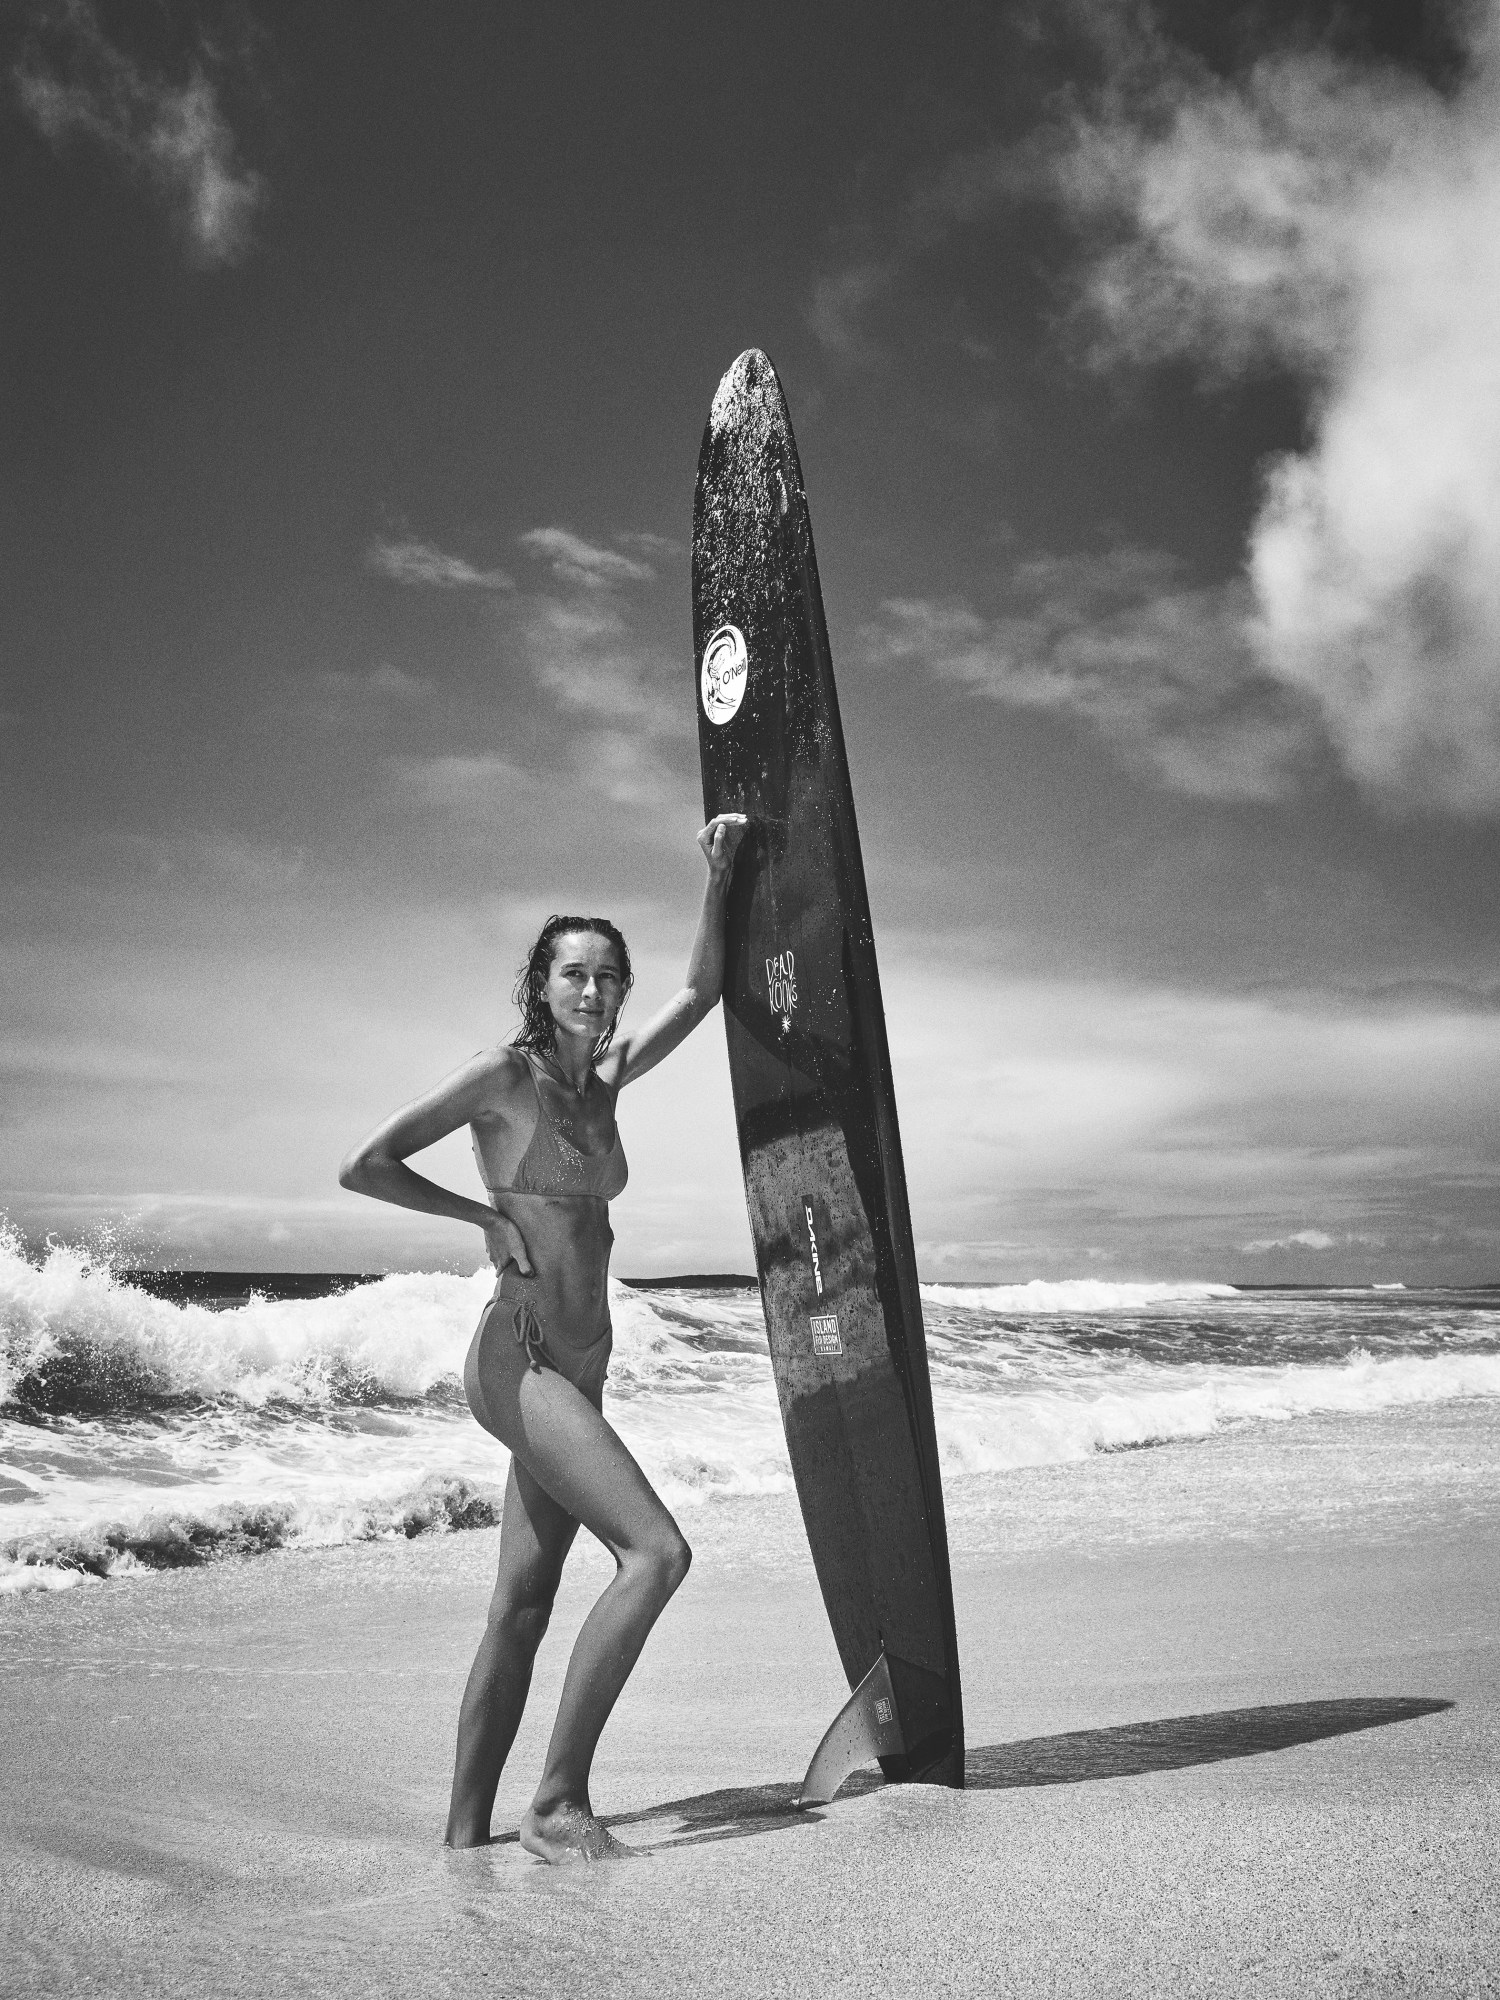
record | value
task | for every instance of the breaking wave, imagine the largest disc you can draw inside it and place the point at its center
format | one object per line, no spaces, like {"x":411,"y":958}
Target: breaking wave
{"x":139,"y":1434}
{"x":75,"y":1339}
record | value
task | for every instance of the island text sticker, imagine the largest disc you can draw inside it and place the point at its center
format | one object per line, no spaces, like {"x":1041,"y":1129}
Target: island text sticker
{"x":825,"y":1333}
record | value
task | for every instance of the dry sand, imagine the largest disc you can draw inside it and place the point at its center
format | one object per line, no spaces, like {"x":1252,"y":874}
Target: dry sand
{"x":232,"y":1781}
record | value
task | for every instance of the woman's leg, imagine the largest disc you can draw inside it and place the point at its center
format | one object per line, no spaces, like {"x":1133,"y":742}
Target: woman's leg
{"x":580,"y":1462}
{"x":535,"y":1536}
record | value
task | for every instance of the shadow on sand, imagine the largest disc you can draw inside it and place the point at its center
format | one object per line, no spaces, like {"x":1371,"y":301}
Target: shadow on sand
{"x":1129,"y":1751}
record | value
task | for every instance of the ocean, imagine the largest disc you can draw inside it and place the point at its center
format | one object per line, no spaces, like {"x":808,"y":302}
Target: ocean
{"x":141,"y":1432}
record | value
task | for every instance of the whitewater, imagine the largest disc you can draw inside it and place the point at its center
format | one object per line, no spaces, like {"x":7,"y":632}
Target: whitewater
{"x":138,"y":1434}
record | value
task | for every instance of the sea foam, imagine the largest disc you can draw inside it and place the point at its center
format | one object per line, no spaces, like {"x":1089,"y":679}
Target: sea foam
{"x":137,"y":1434}
{"x":1072,"y":1295}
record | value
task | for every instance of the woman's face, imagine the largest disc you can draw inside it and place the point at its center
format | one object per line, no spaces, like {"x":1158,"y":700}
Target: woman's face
{"x":584,"y":986}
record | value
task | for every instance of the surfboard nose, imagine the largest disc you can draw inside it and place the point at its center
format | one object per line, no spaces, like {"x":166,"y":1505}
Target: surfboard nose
{"x":750,"y":383}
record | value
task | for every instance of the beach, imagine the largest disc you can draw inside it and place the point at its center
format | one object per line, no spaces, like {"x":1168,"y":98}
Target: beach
{"x":1028,"y":477}
{"x":1257,"y":1753}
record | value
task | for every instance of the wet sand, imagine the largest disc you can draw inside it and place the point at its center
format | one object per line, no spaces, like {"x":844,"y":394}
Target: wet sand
{"x":1217,"y":1767}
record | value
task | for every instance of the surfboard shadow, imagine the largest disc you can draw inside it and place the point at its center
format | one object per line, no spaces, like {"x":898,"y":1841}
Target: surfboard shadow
{"x":1130,"y":1750}
{"x":1133,"y":1749}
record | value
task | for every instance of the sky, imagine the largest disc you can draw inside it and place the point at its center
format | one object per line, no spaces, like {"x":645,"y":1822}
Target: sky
{"x":354,"y":362}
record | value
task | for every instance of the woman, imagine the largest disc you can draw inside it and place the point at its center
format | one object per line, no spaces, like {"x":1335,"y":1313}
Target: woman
{"x":542,"y":1114}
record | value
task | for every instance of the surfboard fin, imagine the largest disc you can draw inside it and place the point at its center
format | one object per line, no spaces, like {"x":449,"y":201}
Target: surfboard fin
{"x":867,"y":1727}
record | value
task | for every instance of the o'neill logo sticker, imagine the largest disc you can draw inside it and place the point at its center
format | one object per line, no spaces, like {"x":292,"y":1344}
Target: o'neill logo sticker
{"x":726,"y":667}
{"x":825,"y":1333}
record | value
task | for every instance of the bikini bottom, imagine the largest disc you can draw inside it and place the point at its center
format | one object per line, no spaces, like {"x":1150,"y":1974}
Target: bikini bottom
{"x":512,"y":1336}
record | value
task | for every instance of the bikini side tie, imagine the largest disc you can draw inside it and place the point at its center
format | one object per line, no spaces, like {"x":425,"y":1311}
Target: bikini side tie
{"x":527,"y":1322}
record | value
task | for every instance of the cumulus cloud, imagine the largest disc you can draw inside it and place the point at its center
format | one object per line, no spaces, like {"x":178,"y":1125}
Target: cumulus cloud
{"x":1164,"y":672}
{"x":75,"y":84}
{"x":583,"y":565}
{"x":1340,"y":221}
{"x":1336,"y":221}
{"x":425,"y":566}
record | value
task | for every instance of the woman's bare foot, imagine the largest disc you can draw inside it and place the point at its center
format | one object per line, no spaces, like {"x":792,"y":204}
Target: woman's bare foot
{"x":569,"y":1833}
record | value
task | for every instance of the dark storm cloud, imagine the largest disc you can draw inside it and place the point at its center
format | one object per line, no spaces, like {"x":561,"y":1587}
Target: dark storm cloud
{"x":76,"y":85}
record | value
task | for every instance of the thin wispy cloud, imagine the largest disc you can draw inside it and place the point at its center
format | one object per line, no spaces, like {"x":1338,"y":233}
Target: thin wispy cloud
{"x":465,"y":782}
{"x":1301,"y":1239}
{"x":625,"y":767}
{"x":1163,"y":672}
{"x":216,"y":860}
{"x":647,"y":544}
{"x":582,"y":565}
{"x":840,"y":300}
{"x":424,"y":566}
{"x":609,"y":708}
{"x":77,"y":86}
{"x":591,"y":661}
{"x":617,"y":693}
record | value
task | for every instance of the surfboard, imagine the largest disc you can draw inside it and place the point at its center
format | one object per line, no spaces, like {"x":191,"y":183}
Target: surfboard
{"x":815,"y":1103}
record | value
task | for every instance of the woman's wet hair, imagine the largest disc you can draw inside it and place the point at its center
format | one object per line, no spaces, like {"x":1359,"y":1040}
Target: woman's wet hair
{"x":538,"y":1030}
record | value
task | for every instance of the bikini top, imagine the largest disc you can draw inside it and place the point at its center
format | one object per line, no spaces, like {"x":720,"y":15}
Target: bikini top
{"x":553,"y":1165}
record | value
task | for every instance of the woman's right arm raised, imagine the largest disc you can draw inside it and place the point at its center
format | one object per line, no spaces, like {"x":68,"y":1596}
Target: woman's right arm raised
{"x":378,"y":1166}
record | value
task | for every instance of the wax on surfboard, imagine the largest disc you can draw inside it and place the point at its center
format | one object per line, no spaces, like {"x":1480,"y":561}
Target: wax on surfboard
{"x":814,"y":1100}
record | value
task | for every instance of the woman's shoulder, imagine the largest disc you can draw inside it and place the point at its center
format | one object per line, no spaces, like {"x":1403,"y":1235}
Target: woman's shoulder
{"x":504,"y":1060}
{"x":495,"y":1072}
